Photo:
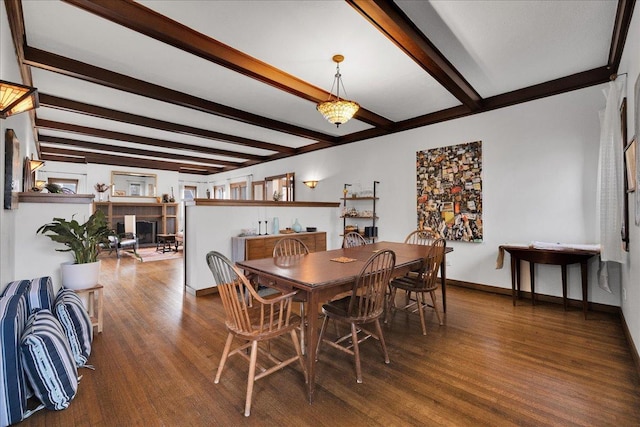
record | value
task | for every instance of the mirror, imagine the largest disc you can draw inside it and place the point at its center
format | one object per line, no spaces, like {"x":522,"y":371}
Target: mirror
{"x":131,"y":184}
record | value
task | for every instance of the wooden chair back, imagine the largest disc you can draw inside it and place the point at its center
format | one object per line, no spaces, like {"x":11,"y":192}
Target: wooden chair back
{"x":289,"y":246}
{"x":429,"y":274}
{"x":247,"y":313}
{"x":369,"y":290}
{"x":421,"y":237}
{"x":353,"y":239}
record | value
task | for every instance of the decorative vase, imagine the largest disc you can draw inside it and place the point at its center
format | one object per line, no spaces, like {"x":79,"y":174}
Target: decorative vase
{"x":276,"y":226}
{"x":80,"y":276}
{"x":296,"y":226}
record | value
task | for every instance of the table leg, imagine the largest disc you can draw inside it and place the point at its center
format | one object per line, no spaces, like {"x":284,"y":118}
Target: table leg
{"x":517,"y":261}
{"x":585,"y":273}
{"x":514,"y":293}
{"x":312,"y":341}
{"x":533,"y":283}
{"x":564,"y":286}
{"x":443,"y":280}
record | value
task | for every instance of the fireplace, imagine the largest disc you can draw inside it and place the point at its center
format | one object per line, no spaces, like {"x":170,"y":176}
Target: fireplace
{"x":145,"y":230}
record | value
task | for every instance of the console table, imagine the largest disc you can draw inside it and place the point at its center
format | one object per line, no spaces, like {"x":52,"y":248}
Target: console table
{"x":560,"y":256}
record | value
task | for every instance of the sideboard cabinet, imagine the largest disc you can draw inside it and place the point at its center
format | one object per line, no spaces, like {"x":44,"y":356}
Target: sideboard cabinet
{"x":255,"y":247}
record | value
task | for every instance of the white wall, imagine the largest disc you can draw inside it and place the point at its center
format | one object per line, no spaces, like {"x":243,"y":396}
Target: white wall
{"x":630,"y":64}
{"x":539,"y":162}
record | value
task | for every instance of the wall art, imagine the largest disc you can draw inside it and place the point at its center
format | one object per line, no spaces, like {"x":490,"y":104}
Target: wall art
{"x":449,"y":191}
{"x":12,"y":169}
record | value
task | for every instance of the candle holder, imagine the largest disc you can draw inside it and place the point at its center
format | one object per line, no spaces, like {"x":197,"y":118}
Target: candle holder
{"x":259,"y":228}
{"x":266,"y":228}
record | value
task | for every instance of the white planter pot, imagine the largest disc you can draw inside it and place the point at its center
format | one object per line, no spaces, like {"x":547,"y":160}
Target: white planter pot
{"x":80,"y":276}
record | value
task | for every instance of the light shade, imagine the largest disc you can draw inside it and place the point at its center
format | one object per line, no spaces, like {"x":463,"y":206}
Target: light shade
{"x":334,"y":109}
{"x":35,"y":164}
{"x":15,"y":98}
{"x":310,"y":184}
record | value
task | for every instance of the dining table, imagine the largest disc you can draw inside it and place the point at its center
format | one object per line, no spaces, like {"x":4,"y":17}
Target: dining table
{"x":319,"y":276}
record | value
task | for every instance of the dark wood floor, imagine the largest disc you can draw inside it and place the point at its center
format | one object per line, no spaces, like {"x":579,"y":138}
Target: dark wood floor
{"x":491,"y":364}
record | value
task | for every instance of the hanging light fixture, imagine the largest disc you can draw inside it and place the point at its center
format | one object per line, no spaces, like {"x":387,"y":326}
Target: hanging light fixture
{"x":336,"y":110}
{"x":15,"y":98}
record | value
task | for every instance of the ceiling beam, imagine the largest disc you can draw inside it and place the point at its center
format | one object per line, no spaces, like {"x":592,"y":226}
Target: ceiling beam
{"x":134,"y":119}
{"x":394,"y":23}
{"x":67,"y":155}
{"x":620,"y":30}
{"x":45,"y":139}
{"x":71,"y":68}
{"x":154,"y":142}
{"x":141,"y":19}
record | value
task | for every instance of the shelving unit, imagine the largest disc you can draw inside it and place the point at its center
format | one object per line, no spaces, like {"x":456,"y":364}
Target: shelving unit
{"x":355,"y":220}
{"x":165,"y":214}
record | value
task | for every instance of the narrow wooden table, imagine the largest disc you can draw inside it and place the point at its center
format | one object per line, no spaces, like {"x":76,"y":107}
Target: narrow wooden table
{"x":562,"y":257}
{"x":318,"y":279}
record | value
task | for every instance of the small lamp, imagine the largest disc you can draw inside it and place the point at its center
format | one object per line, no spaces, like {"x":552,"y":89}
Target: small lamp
{"x":310,"y":184}
{"x":15,"y":98}
{"x":35,"y":164}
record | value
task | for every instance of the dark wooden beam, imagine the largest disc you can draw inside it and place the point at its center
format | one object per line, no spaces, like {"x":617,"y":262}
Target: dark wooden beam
{"x":394,"y":23}
{"x":90,"y":73}
{"x":134,"y":119}
{"x":620,"y":30}
{"x":45,"y":139}
{"x":120,"y":136}
{"x":69,"y":155}
{"x":141,"y":19}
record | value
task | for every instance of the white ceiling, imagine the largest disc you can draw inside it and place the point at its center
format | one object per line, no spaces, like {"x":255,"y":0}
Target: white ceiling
{"x":497,"y":47}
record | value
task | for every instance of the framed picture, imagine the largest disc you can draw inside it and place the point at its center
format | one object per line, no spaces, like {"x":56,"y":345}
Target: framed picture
{"x":12,"y":169}
{"x":636,"y":115}
{"x":119,"y":193}
{"x":630,"y":161}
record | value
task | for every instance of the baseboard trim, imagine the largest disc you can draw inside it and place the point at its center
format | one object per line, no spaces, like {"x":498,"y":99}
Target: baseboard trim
{"x":605,"y":308}
{"x":632,"y":346}
{"x":201,"y":292}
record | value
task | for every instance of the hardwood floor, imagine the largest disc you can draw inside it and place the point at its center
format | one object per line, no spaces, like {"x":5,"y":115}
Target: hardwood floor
{"x":490,"y":364}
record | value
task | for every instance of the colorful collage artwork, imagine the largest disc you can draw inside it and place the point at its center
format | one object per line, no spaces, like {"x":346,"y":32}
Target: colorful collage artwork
{"x":449,"y":191}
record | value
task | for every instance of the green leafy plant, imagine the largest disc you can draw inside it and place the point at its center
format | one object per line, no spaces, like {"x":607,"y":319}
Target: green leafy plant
{"x":84,"y":240}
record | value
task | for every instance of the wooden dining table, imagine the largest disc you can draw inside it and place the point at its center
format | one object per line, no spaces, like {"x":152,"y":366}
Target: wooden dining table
{"x":318,"y":277}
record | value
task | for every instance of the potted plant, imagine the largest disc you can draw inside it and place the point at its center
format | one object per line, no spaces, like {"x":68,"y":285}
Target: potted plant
{"x":84,"y":241}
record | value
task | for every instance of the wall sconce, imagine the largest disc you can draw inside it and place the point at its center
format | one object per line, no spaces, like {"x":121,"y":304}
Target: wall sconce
{"x":34,"y":165}
{"x":15,"y":98}
{"x":310,"y":184}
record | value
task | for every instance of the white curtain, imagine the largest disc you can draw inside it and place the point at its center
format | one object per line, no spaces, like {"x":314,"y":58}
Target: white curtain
{"x":610,"y":185}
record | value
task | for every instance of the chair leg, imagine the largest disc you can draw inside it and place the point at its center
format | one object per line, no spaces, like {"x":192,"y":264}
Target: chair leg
{"x":356,"y":352}
{"x":251,"y":377}
{"x":421,"y":306}
{"x":321,"y":335}
{"x":433,"y":300}
{"x":382,"y":343}
{"x":225,"y":354}
{"x":302,"y":327}
{"x":296,"y":344}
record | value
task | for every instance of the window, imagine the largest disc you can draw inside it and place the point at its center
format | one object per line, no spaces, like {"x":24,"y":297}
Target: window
{"x":218,"y":191}
{"x":68,"y":185}
{"x":190,"y":192}
{"x":280,"y":187}
{"x":238,"y":190}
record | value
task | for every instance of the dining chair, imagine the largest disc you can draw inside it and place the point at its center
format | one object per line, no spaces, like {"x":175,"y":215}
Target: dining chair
{"x":421,"y":237}
{"x":252,"y":319}
{"x":288,"y":247}
{"x":353,"y":239}
{"x":364,"y":305}
{"x":426,"y":281}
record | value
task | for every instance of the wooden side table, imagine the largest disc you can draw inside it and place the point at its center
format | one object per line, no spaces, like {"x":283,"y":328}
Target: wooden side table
{"x":95,"y":296}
